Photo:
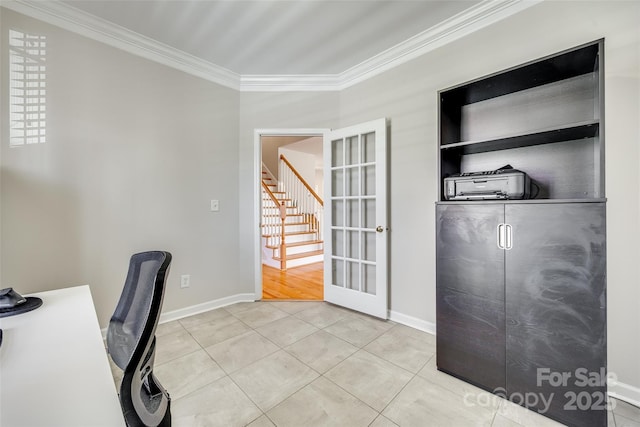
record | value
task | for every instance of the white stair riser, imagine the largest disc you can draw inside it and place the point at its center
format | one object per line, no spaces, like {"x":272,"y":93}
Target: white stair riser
{"x":288,"y":220}
{"x":306,"y":248}
{"x":304,"y":261}
{"x":271,"y":262}
{"x":293,"y":262}
{"x":295,"y":238}
{"x":288,"y":228}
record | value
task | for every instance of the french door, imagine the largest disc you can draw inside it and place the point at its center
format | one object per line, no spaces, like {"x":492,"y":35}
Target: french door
{"x":356,"y":232}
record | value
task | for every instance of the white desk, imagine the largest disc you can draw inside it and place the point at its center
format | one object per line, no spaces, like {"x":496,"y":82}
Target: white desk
{"x":54,"y":369}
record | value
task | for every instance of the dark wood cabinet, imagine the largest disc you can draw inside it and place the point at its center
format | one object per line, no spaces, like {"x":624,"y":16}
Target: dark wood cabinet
{"x":513,"y":321}
{"x":556,"y":309}
{"x":470,"y":295}
{"x":521,"y":284}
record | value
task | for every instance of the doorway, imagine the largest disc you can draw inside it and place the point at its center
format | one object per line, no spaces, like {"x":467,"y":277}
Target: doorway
{"x":289,"y":239}
{"x":356,"y":273}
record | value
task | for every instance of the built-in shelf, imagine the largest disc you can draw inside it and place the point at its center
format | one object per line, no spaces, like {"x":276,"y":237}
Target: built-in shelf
{"x":544,"y":118}
{"x":588,"y":129}
{"x":555,"y":68}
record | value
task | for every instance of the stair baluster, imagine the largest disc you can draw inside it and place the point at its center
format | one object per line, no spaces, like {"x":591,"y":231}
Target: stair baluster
{"x":289,"y":203}
{"x":303,"y":196}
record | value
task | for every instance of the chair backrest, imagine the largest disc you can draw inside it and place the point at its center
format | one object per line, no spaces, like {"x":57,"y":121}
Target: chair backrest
{"x":131,"y":339}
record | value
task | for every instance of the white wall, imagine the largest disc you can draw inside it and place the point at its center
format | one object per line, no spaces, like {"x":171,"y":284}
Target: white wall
{"x":304,"y":163}
{"x":270,"y":149}
{"x":309,"y":152}
{"x":407,"y":95}
{"x":135,"y":151}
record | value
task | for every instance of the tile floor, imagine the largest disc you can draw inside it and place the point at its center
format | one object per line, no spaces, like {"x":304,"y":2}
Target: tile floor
{"x":314,"y":364}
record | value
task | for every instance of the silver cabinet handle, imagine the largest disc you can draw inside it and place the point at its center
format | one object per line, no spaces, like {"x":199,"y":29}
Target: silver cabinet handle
{"x":501,"y":236}
{"x":508,"y":237}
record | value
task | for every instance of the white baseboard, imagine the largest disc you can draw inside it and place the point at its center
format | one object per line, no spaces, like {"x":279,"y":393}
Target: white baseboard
{"x":205,"y":306}
{"x":626,"y":392}
{"x":412,"y":322}
{"x":199,"y":308}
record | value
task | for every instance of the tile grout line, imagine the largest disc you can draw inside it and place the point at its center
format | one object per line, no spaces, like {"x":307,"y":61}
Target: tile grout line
{"x":297,"y":315}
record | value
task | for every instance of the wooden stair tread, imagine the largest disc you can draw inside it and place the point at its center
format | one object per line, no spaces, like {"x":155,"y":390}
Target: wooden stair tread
{"x":286,"y":203}
{"x":286,"y":223}
{"x":291,"y":233}
{"x":296,"y":244}
{"x":298,"y":256}
{"x":288,"y":215}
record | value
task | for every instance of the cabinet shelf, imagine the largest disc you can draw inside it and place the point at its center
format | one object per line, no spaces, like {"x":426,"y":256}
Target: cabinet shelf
{"x":572,"y":63}
{"x":573,"y":131}
{"x":544,"y":118}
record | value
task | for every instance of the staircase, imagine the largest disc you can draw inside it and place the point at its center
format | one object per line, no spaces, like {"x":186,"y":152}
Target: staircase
{"x":291,"y":231}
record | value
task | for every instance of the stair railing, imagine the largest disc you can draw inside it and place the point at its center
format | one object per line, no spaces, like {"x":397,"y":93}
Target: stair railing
{"x":302,"y":195}
{"x":273,"y":225}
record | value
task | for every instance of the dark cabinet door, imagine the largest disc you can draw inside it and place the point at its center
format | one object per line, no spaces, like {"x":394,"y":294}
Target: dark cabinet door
{"x":555,"y":310}
{"x":470,"y":294}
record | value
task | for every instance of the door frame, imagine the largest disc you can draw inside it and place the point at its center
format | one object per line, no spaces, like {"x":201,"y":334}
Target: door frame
{"x":257,"y":191}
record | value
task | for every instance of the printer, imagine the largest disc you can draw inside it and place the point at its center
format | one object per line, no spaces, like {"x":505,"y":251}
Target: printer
{"x":500,"y":184}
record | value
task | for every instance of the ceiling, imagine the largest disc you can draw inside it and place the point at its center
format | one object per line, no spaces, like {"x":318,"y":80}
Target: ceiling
{"x":274,"y":45}
{"x":277,"y":37}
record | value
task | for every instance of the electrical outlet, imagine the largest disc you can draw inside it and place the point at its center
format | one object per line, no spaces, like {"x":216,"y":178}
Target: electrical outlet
{"x":215,"y":205}
{"x":184,"y":280}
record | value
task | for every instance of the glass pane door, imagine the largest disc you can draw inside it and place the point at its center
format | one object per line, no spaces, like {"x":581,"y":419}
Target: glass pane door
{"x":355,"y":253}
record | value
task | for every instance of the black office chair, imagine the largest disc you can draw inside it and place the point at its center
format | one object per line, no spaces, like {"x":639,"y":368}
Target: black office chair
{"x":131,"y":340}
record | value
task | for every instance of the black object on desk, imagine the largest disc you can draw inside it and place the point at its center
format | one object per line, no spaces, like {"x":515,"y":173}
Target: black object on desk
{"x":12,"y":303}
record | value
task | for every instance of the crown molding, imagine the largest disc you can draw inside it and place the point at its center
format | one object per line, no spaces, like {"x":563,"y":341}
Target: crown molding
{"x":288,"y":83}
{"x":481,"y":15}
{"x":85,"y":24}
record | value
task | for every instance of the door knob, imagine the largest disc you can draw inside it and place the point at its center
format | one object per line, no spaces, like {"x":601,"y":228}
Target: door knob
{"x":379,"y":229}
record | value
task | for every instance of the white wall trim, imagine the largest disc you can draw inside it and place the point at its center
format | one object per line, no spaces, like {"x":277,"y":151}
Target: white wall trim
{"x":257,"y":192}
{"x":291,"y":83}
{"x":626,"y":392}
{"x":205,"y":306}
{"x":199,"y":308}
{"x":412,"y":322}
{"x":481,"y":15}
{"x":72,"y":19}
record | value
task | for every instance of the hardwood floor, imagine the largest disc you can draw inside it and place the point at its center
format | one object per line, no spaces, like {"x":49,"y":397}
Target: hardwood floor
{"x":299,"y":283}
